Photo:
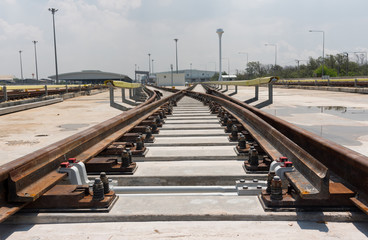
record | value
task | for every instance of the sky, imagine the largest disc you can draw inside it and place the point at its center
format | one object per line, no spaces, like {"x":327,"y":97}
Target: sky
{"x":117,"y":35}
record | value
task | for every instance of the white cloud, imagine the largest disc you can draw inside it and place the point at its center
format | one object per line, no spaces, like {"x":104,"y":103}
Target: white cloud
{"x":11,"y":32}
{"x":119,"y":4}
{"x":10,"y":1}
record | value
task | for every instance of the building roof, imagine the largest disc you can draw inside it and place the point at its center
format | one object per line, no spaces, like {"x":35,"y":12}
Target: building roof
{"x":91,"y":75}
{"x":7,"y":78}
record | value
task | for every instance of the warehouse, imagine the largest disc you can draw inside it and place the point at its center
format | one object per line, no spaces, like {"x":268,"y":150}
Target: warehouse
{"x":90,"y":77}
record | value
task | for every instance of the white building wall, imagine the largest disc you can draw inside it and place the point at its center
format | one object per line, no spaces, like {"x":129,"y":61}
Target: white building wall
{"x":164,"y":79}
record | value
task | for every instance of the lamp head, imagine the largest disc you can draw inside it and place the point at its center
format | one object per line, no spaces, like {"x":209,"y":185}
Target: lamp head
{"x":220,"y":32}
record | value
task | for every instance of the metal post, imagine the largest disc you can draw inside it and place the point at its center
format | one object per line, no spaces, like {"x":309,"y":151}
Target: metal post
{"x":21,"y":64}
{"x":176,"y":51}
{"x":172,"y":76}
{"x":235,"y":92}
{"x":35,"y":49}
{"x":111,"y":88}
{"x":5,"y":93}
{"x":149,"y":65}
{"x":53,"y":11}
{"x":46,"y":93}
{"x":123,"y":94}
{"x":220,"y":32}
{"x":270,"y":93}
{"x":256,"y":92}
{"x":66,"y":88}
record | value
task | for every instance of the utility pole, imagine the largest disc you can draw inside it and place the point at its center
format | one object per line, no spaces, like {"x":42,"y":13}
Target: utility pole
{"x":149,"y":64}
{"x":176,"y":50}
{"x":53,"y":11}
{"x":35,"y":50}
{"x":172,"y":76}
{"x":220,"y":32}
{"x":21,"y":64}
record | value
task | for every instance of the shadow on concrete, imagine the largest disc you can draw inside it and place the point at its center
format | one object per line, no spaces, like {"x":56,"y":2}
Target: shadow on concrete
{"x":307,"y":225}
{"x":362,"y":227}
{"x":6,"y":230}
{"x":263,"y":104}
{"x":251,"y":100}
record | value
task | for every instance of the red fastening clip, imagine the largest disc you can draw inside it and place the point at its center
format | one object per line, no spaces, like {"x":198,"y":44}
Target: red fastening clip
{"x":64,"y":165}
{"x":283,"y":159}
{"x":72,"y":160}
{"x":288,"y":164}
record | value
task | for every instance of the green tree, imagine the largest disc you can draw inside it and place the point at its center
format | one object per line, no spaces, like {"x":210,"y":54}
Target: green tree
{"x":326,"y":71}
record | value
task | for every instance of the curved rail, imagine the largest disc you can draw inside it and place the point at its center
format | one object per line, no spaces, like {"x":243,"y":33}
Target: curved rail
{"x":25,"y":179}
{"x":339,"y":159}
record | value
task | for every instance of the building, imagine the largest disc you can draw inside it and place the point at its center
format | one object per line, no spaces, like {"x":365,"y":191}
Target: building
{"x":4,"y":79}
{"x":190,"y":75}
{"x":168,"y":79}
{"x":90,"y":77}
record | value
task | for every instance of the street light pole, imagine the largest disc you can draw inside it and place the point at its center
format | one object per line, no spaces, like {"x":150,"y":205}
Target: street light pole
{"x":35,"y":49}
{"x":149,"y":64}
{"x":176,"y":50}
{"x":172,"y":76}
{"x":53,"y":11}
{"x":220,"y":32}
{"x":323,"y":48}
{"x":191,"y":80}
{"x":21,"y":64}
{"x":152,"y":67}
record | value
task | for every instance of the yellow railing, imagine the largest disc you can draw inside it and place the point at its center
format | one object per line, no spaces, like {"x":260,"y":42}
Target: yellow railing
{"x":122,"y":84}
{"x":40,"y":87}
{"x":253,"y":82}
{"x":323,"y":80}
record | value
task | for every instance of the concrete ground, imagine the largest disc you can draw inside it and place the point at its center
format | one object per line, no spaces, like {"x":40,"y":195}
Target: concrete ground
{"x":293,"y":230}
{"x":337,"y":116}
{"x":27,"y":131}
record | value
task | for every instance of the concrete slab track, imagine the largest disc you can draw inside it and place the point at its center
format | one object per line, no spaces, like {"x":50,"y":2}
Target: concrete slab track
{"x":185,"y":154}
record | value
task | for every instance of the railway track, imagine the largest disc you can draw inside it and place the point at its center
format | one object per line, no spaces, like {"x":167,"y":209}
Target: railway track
{"x":20,"y":94}
{"x":183,"y":144}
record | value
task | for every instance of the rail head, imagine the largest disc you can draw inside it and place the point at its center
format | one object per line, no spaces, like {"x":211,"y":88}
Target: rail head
{"x":339,"y":159}
{"x":26,"y":178}
{"x":315,"y":172}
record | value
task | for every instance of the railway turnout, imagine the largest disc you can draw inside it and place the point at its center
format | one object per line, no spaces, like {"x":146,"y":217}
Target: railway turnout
{"x":185,"y":154}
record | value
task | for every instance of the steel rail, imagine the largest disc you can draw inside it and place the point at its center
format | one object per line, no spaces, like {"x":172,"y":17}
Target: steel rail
{"x":314,"y":174}
{"x":351,"y":166}
{"x":25,"y":179}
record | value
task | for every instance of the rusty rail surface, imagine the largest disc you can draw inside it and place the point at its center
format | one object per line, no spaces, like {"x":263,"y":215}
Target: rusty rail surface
{"x":346,"y":163}
{"x":316,"y":173}
{"x":25,"y":179}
